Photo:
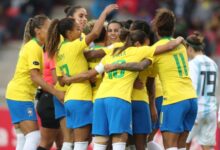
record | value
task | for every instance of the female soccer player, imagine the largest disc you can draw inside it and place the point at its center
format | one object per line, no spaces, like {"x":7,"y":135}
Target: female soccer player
{"x":101,"y":142}
{"x":78,"y":104}
{"x":78,"y":13}
{"x":179,"y":103}
{"x":99,"y":43}
{"x":204,"y":75}
{"x":113,"y":32}
{"x":21,"y":89}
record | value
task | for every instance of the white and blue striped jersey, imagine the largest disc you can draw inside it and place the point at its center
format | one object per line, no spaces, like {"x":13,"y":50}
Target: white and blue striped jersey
{"x":204,"y":72}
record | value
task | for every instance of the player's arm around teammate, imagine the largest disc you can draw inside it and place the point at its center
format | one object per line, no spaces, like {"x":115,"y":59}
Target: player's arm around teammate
{"x":70,"y":30}
{"x":140,"y":66}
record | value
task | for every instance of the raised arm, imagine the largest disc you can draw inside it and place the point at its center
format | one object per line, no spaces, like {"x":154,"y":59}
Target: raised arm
{"x":99,"y":23}
{"x":171,"y":45}
{"x":135,"y":66}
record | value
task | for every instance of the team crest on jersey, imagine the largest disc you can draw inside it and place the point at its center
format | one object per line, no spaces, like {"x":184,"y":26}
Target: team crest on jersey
{"x":36,"y":63}
{"x":30,"y":112}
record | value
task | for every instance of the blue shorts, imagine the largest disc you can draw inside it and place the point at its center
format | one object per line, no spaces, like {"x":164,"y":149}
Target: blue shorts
{"x":78,"y":113}
{"x":179,"y":117}
{"x":111,"y":116}
{"x":21,"y":111}
{"x":58,"y":108}
{"x":158,"y":102}
{"x":141,"y":117}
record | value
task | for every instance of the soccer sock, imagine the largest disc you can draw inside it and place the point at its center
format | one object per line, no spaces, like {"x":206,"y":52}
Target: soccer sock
{"x":41,"y":148}
{"x":172,"y":148}
{"x":99,"y":147}
{"x":67,"y":146}
{"x":119,"y":146}
{"x":81,"y":145}
{"x":153,"y":146}
{"x":32,"y":140}
{"x":20,"y":139}
{"x":182,"y":148}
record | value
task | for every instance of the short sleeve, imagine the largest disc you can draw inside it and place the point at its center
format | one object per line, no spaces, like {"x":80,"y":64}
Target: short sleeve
{"x":107,"y":50}
{"x":83,"y":44}
{"x":34,"y":57}
{"x":79,"y":44}
{"x":145,"y":52}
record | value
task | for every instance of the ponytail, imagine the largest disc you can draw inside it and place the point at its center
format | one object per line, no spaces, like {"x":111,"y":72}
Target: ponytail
{"x":27,"y":35}
{"x":131,"y":39}
{"x":56,"y":29}
{"x":32,"y":23}
{"x":53,"y":39}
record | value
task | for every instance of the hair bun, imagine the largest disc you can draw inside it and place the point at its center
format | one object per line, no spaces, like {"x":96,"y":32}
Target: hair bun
{"x":67,"y":8}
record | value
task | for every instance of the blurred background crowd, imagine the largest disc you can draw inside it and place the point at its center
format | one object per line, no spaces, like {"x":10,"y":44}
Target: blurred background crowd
{"x":202,"y":15}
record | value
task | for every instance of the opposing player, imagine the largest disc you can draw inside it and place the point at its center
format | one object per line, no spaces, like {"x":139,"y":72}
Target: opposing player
{"x":204,"y":75}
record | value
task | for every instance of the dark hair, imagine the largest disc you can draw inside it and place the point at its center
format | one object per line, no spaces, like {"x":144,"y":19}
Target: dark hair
{"x":196,"y":41}
{"x":123,"y":34}
{"x":57,"y":28}
{"x":164,"y":22}
{"x":114,"y":21}
{"x":70,"y":10}
{"x":102,"y":36}
{"x":141,"y":25}
{"x":127,"y":24}
{"x":32,"y":23}
{"x":144,"y":26}
{"x":132,"y":38}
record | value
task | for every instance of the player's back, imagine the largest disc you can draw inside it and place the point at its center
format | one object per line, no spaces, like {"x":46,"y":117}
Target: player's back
{"x":203,"y":72}
{"x":172,"y":68}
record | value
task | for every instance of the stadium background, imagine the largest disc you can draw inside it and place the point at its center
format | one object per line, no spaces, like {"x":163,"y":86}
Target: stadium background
{"x":202,"y":15}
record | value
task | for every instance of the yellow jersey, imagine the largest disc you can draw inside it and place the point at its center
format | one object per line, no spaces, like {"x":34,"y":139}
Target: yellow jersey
{"x":92,"y":64}
{"x":21,"y":87}
{"x":71,"y":61}
{"x":119,"y":83}
{"x":141,"y":94}
{"x":58,"y":71}
{"x":158,"y":87}
{"x":173,"y":71}
{"x":109,"y":49}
